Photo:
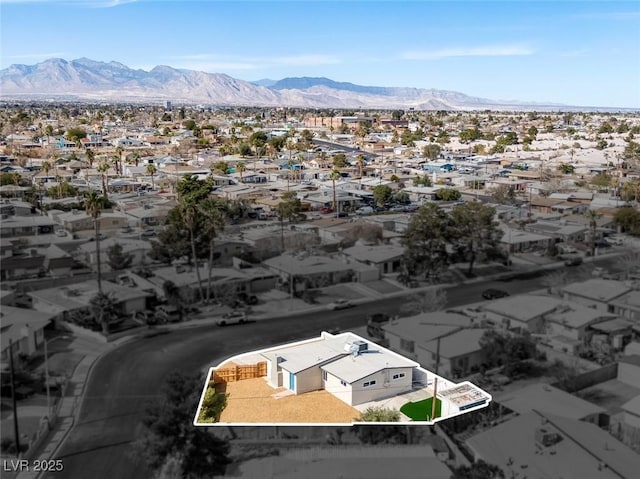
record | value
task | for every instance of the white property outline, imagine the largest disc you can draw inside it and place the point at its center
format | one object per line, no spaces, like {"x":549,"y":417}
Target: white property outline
{"x":447,"y":385}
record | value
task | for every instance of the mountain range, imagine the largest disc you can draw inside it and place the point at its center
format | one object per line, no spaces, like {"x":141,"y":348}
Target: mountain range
{"x":89,"y":80}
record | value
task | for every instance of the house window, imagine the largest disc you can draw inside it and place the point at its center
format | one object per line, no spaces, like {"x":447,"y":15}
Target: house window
{"x":344,"y":383}
{"x":610,"y":308}
{"x":324,"y":375}
{"x":398,"y":376}
{"x":407,"y":345}
{"x":369,"y":384}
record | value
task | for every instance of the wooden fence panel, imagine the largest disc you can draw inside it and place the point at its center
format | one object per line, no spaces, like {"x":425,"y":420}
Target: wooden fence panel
{"x":237,"y":373}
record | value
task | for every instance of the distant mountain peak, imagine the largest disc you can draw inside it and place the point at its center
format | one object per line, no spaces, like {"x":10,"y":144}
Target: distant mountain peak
{"x":90,"y":80}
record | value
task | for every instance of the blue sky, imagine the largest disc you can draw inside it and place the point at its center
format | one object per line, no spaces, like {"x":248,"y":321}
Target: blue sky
{"x":571,"y":52}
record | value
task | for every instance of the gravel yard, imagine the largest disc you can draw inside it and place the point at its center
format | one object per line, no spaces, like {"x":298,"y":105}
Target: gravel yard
{"x":250,"y":401}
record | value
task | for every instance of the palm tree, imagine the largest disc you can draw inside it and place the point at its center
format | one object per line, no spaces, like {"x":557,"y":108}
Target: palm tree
{"x":241,"y":167}
{"x":136,"y":158}
{"x":119,"y":151}
{"x":103,"y":168}
{"x":151,"y":171}
{"x":335,"y":175}
{"x":93,"y":205}
{"x":290,"y":164}
{"x":190,"y":214}
{"x":46,"y":167}
{"x":360,"y":160}
{"x":593,"y":217}
{"x":215,"y":213}
{"x":91,"y":156}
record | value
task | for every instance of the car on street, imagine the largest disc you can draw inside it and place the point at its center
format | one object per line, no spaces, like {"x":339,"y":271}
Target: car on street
{"x":573,"y":261}
{"x":326,"y":210}
{"x":167,"y":313}
{"x":234,"y":317}
{"x":492,"y":293}
{"x":340,"y":304}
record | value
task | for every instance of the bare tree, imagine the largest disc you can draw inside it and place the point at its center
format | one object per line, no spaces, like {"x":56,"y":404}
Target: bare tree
{"x":426,"y":302}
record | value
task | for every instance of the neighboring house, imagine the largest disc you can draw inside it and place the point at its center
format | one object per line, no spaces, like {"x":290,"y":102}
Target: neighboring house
{"x":149,"y":215}
{"x":545,"y":445}
{"x":627,"y":305}
{"x":457,"y":354}
{"x":78,"y":221}
{"x":631,"y":410}
{"x":572,"y":320}
{"x":24,"y":328}
{"x":16,"y":207}
{"x":629,"y":370}
{"x":19,"y":226}
{"x":316,"y":271}
{"x":525,"y":312}
{"x":64,"y":300}
{"x":137,"y":249}
{"x":596,"y":293}
{"x":387,"y":258}
{"x":24,"y":264}
{"x":518,"y":241}
{"x":57,"y":262}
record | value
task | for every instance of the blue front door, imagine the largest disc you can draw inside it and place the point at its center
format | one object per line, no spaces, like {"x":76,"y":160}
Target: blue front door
{"x":292,"y":382}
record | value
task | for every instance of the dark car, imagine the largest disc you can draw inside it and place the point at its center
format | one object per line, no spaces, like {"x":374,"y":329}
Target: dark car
{"x":494,"y":294}
{"x":342,"y":214}
{"x":573,"y":261}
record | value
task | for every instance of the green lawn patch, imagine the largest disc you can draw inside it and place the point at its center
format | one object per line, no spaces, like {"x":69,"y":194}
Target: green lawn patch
{"x":421,"y":410}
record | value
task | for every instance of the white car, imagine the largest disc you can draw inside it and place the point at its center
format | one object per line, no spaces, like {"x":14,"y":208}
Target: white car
{"x":234,"y":317}
{"x":340,"y":304}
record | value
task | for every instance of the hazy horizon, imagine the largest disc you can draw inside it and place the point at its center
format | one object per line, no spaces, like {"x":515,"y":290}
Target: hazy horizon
{"x":571,"y":53}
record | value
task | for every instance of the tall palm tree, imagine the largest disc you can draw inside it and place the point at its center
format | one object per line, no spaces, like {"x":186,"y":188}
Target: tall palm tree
{"x":215,"y":213}
{"x":290,"y":164}
{"x":103,"y":168}
{"x":91,"y":157}
{"x":593,"y":217}
{"x":119,"y":152}
{"x":191,"y":214}
{"x":334,"y":176}
{"x":46,"y":167}
{"x":136,"y":158}
{"x":151,"y":171}
{"x":93,"y":205}
{"x":360,"y":160}
{"x":241,"y":167}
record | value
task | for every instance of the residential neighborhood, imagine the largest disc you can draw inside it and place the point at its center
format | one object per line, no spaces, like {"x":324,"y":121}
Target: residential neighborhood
{"x":470,"y":274}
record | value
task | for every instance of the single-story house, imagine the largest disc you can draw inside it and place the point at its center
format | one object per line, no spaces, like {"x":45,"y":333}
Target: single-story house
{"x":524,"y":312}
{"x":315,"y":270}
{"x":137,"y":249}
{"x":596,"y":293}
{"x":24,"y":328}
{"x":627,"y":305}
{"x":386,"y":257}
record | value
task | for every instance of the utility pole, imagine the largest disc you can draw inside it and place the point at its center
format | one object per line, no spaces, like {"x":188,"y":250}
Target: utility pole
{"x":14,"y":400}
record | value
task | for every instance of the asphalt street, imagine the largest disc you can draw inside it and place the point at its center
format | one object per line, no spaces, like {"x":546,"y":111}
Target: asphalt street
{"x":99,"y":446}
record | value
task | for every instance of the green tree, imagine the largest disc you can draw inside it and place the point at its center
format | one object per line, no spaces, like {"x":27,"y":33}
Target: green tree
{"x":75,"y":134}
{"x":448,"y":194}
{"x":601,"y":144}
{"x":469,"y":135}
{"x":631,"y":154}
{"x":213,"y":404}
{"x":103,"y":168}
{"x":566,"y":169}
{"x":504,"y":195}
{"x":382,"y":194}
{"x":379,"y":414}
{"x":288,"y":209}
{"x":335,"y":176}
{"x":340,"y":160}
{"x":431,"y":151}
{"x":241,"y":167}
{"x":169,"y":432}
{"x":425,"y":241}
{"x":117,"y":258}
{"x":424,"y":180}
{"x":103,"y":307}
{"x":476,"y":234}
{"x":427,"y":302}
{"x":91,"y":156}
{"x":93,"y":205}
{"x":602,"y":180}
{"x":151,"y":171}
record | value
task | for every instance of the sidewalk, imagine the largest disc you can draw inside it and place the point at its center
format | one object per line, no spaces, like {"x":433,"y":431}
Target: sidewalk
{"x":72,"y":401}
{"x":70,"y":405}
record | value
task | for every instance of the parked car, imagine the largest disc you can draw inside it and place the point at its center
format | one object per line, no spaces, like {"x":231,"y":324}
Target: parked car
{"x":326,"y":210}
{"x":168,"y":313}
{"x":364,"y":210}
{"x":340,"y":304}
{"x":573,"y":261}
{"x":492,"y":293}
{"x":614,"y":240}
{"x":234,"y":317}
{"x":374,"y":324}
{"x":148,"y":232}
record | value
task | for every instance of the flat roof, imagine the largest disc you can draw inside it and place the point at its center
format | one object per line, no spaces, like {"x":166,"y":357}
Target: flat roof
{"x":304,"y":356}
{"x":599,"y":289}
{"x":548,"y":399}
{"x":523,"y":307}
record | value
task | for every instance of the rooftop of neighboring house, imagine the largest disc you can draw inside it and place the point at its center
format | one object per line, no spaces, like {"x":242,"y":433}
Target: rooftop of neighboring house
{"x":632,"y":406}
{"x":303,"y":264}
{"x":79,"y":295}
{"x":374,"y":253}
{"x":424,"y":327}
{"x":581,"y":451}
{"x":575,"y":315}
{"x":15,"y":320}
{"x":549,"y":399}
{"x":460,"y":343}
{"x":187,"y":275}
{"x":523,"y":307}
{"x":630,"y":300}
{"x":604,"y":290}
{"x":128,"y":245}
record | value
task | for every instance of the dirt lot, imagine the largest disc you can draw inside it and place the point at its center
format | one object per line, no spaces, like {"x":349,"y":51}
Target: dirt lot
{"x":250,"y":401}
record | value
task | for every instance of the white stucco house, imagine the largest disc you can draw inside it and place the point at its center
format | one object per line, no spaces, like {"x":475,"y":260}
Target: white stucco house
{"x":354,"y":370}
